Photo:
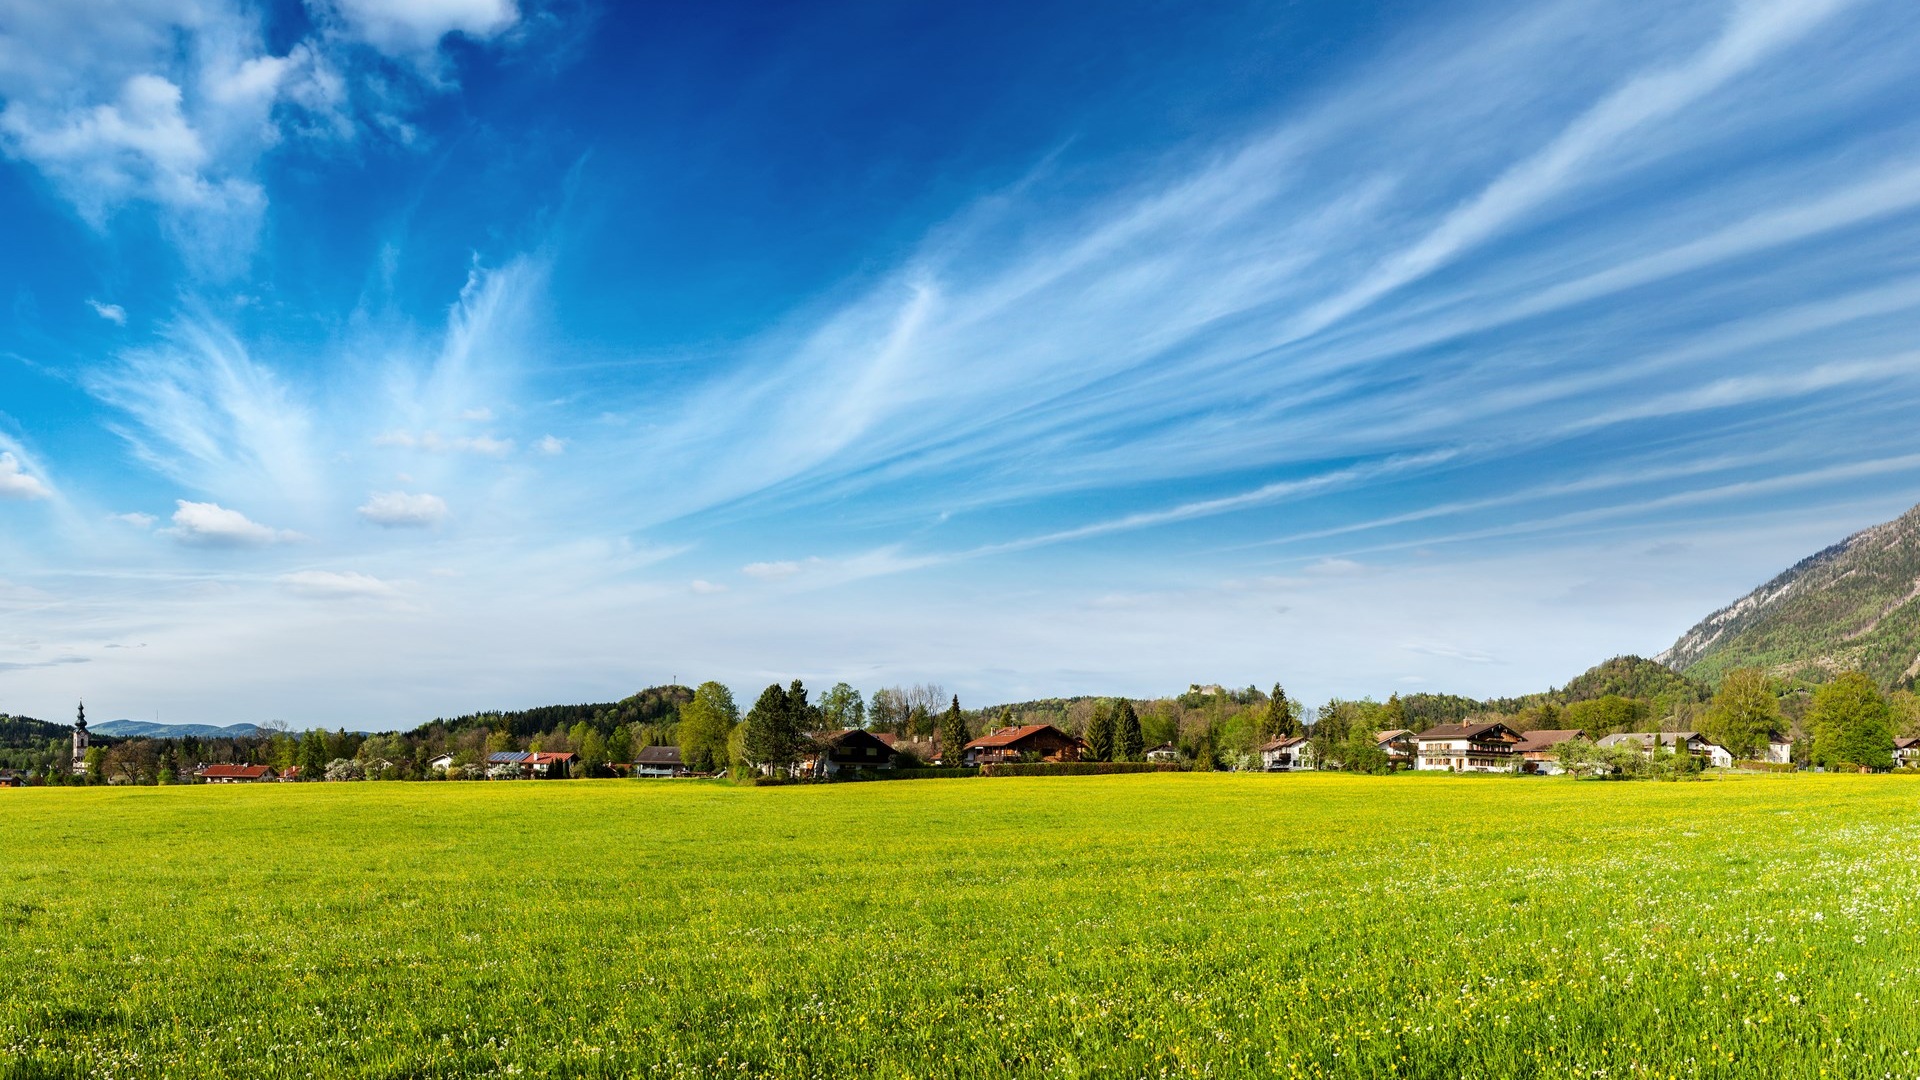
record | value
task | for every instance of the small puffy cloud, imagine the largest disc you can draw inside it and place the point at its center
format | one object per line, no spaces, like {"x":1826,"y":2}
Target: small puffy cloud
{"x":113,"y":313}
{"x":15,"y":483}
{"x":214,"y":525}
{"x":550,"y":446}
{"x":480,"y":415}
{"x":335,"y":585}
{"x":706,"y":587}
{"x":411,"y":26}
{"x":398,"y":509}
{"x":136,"y":519}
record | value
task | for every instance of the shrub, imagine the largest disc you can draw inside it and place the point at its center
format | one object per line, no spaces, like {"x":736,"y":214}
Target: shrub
{"x":1764,"y":766}
{"x":1077,"y":768}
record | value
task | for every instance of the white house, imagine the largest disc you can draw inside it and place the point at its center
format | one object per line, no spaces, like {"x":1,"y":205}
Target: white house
{"x":1465,"y":748}
{"x":1708,"y":751}
{"x":1780,"y":749}
{"x":1287,"y":754}
{"x":440,"y":764}
{"x":1906,"y":753}
{"x":1166,"y":751}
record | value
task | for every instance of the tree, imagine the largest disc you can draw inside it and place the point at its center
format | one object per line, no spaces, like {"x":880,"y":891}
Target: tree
{"x":806,"y":718}
{"x":1280,"y":720}
{"x":773,"y":733}
{"x":1129,"y":742}
{"x":593,"y":754}
{"x":313,"y":753}
{"x":1099,"y":734}
{"x":954,"y":735}
{"x":1607,"y":714}
{"x":1393,"y":715}
{"x":888,"y":710}
{"x":1578,"y":757}
{"x":1852,"y":724}
{"x":620,"y":745}
{"x":1744,"y":713}
{"x":1361,"y":752}
{"x":705,"y":724}
{"x":841,"y":707}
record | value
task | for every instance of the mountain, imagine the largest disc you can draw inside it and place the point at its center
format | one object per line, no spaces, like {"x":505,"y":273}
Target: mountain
{"x":17,"y":732}
{"x":143,"y":729}
{"x":1854,"y":605}
{"x":654,"y":705}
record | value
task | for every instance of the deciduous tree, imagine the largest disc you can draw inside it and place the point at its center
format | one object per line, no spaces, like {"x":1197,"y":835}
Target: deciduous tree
{"x":1745,"y":711}
{"x":1852,"y":724}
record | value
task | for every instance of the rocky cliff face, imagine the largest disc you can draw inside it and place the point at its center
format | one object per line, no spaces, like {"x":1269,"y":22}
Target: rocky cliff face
{"x":1853,"y":605}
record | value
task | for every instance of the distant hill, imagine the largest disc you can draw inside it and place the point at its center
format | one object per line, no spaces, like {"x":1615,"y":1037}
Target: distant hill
{"x":144,"y":729}
{"x":1626,"y":676}
{"x":22,"y":732}
{"x":654,"y":705}
{"x":1854,"y":605}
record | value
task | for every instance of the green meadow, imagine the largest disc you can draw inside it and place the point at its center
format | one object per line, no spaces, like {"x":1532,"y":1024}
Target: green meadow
{"x":1128,"y":926}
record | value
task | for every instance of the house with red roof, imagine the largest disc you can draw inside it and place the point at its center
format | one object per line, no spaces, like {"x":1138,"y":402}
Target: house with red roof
{"x":1041,"y":742}
{"x":236,"y":774}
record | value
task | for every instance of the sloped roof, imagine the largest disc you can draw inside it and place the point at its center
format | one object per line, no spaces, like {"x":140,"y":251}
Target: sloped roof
{"x":234,"y":772}
{"x":508,"y":757}
{"x":1010,"y":736}
{"x":543,"y":757}
{"x":1465,"y":731}
{"x":1546,"y":738}
{"x":1282,"y":743}
{"x":659,"y":755}
{"x":1392,"y":734}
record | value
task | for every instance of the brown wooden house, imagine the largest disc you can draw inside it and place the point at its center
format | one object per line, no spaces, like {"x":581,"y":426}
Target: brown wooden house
{"x":1043,"y":741}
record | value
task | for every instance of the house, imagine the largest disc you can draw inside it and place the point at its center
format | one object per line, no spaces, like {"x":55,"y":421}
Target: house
{"x":1468,"y":747}
{"x":1397,"y":744}
{"x":550,"y":766}
{"x":236,"y":774}
{"x":1906,"y":753}
{"x":1709,"y":752}
{"x":1780,"y":749}
{"x":1538,"y":749}
{"x":848,"y":750}
{"x":508,"y":765}
{"x":1044,"y":741}
{"x":440,"y":763}
{"x":1286,"y":754}
{"x":658,"y":761}
{"x":292,"y":774}
{"x":1166,"y":751}
{"x":9,"y":778}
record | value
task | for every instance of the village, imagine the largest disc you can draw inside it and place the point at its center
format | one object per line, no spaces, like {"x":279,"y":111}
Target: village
{"x":1045,"y":749}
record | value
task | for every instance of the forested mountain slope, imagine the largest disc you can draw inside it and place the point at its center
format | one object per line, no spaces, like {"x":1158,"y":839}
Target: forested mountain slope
{"x":1854,"y":605}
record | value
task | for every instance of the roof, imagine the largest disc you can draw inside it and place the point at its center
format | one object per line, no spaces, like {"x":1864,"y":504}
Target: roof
{"x":1162,"y":746}
{"x":1282,"y":743}
{"x":887,"y":737}
{"x":548,"y":758}
{"x":290,"y":771}
{"x":1390,"y":735}
{"x":234,"y":772}
{"x":508,"y":757}
{"x":1010,"y":736}
{"x":1463,"y":731}
{"x":659,"y":755}
{"x":1906,"y":744}
{"x":1546,"y":738}
{"x":1667,"y":738}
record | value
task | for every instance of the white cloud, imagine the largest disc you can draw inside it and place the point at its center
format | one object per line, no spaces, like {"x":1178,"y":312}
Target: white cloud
{"x":408,"y":26}
{"x":550,"y":446}
{"x":214,"y":525}
{"x":113,"y":313}
{"x":480,"y":415}
{"x":705,"y":587}
{"x":771,"y":571}
{"x":15,"y":483}
{"x":435,"y":443}
{"x":398,"y":509}
{"x":136,"y":519}
{"x":332,"y":585}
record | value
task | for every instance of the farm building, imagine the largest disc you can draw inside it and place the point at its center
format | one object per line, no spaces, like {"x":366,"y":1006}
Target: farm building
{"x":1906,"y":753}
{"x":1466,"y":748}
{"x":658,"y":761}
{"x":1397,"y":744}
{"x":1044,"y":741}
{"x":841,"y":751}
{"x":1537,"y":749}
{"x":236,"y":774}
{"x":1287,"y":754}
{"x":10,"y":778}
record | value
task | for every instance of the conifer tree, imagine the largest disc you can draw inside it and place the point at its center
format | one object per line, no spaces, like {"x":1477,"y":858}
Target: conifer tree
{"x":1129,"y":743}
{"x":772,"y":737}
{"x":954,"y":735}
{"x":1279,"y":721}
{"x":1099,"y":733}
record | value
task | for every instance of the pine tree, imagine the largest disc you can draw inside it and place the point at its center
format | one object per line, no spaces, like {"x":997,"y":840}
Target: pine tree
{"x":1279,"y":722}
{"x":772,"y":736}
{"x":1099,"y":733}
{"x":1129,"y":743}
{"x":954,"y":735}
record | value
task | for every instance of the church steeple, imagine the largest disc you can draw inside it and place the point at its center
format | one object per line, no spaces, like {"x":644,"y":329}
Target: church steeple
{"x":80,"y":742}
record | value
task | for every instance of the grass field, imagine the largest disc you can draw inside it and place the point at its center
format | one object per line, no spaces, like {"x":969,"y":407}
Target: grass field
{"x":1165,"y":925}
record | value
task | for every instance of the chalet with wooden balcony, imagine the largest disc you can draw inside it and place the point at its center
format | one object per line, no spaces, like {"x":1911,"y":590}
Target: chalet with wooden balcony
{"x":1466,"y":748}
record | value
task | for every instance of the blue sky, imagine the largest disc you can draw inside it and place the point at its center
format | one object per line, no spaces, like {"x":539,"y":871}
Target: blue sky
{"x":363,"y":362}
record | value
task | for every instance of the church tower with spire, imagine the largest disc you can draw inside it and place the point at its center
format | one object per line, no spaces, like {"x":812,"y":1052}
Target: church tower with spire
{"x":80,"y":742}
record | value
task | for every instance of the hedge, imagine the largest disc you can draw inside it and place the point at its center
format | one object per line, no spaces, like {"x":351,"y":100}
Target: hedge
{"x":919,"y":774}
{"x":1765,"y":766}
{"x":1076,"y":768}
